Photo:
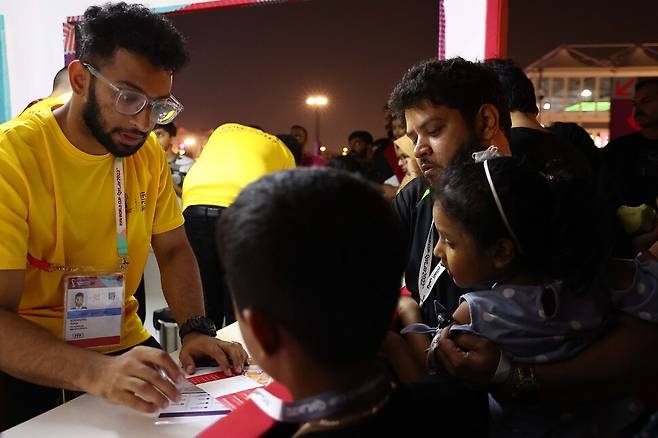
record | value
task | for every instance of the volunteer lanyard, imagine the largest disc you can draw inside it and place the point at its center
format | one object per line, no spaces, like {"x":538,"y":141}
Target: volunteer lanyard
{"x":121,"y":227}
{"x":327,"y":405}
{"x":120,"y":213}
{"x":427,"y":279}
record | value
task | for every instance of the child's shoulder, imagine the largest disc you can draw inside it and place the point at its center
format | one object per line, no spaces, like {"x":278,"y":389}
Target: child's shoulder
{"x":549,"y":303}
{"x":639,"y":297}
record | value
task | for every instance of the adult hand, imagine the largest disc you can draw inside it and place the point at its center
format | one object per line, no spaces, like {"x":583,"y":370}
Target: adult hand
{"x":468,"y":357}
{"x":140,"y":378}
{"x":408,"y":311}
{"x":230,"y":356}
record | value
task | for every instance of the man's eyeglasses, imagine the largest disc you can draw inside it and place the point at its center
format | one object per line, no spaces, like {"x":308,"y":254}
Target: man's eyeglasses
{"x":129,"y":102}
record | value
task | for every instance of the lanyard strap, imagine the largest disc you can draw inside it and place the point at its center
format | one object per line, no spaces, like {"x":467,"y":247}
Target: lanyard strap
{"x":323,"y":406}
{"x":120,"y":211}
{"x":120,"y":220}
{"x":427,"y":279}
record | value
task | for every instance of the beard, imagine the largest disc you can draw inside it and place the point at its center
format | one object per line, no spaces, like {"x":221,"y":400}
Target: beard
{"x":91,"y":115}
{"x":464,"y":154}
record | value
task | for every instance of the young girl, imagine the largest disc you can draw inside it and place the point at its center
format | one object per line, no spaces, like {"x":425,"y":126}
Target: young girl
{"x":533,"y":248}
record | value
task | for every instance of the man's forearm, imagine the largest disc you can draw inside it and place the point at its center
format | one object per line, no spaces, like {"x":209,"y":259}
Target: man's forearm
{"x":181,"y":283}
{"x":624,"y":358}
{"x":31,"y":353}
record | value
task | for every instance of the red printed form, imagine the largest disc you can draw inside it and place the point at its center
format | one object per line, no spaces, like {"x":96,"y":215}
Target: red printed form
{"x":229,"y":391}
{"x":210,"y":393}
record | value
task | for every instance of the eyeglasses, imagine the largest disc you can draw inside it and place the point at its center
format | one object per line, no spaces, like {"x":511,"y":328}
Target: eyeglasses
{"x":129,"y":102}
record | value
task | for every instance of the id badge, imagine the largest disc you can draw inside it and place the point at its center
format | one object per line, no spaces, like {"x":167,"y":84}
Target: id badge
{"x":93,"y":309}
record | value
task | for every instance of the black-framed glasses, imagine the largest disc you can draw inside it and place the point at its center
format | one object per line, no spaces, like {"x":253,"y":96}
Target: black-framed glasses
{"x":130,"y":102}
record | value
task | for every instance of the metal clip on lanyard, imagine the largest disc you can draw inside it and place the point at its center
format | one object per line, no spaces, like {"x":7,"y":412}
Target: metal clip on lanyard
{"x":49,"y":267}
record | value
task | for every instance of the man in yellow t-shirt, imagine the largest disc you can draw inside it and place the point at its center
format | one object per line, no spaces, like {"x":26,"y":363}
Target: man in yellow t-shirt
{"x":61,"y":174}
{"x":234,"y":156}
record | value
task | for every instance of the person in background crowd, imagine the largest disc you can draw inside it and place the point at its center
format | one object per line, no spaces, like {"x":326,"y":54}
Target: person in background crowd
{"x":308,"y":159}
{"x":234,"y":156}
{"x":294,"y":146}
{"x":179,"y":164}
{"x":527,"y":133}
{"x":631,"y":164}
{"x":404,"y":149}
{"x":398,"y":127}
{"x":362,"y":148}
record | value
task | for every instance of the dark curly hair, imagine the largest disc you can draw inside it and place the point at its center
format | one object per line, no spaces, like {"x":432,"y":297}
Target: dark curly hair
{"x":556,"y":216}
{"x":455,"y":83}
{"x":104,"y":29}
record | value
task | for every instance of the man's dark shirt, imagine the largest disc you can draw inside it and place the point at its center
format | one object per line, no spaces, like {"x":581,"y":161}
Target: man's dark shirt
{"x":414,"y":207}
{"x":539,"y":148}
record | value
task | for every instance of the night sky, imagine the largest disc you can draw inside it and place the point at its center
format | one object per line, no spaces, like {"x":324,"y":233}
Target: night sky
{"x":535,"y":28}
{"x":256,"y":65}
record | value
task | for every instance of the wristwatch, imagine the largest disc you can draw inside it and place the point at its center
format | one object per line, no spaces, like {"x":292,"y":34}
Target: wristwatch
{"x":200,"y":324}
{"x":524,"y":383}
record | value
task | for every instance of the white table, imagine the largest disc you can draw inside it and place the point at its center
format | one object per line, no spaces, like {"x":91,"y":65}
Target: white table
{"x":89,"y":416}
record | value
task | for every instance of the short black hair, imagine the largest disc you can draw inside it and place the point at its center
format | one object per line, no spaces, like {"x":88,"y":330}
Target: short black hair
{"x":455,"y":83}
{"x":644,"y":82}
{"x":518,"y":87}
{"x":79,"y":294}
{"x":61,"y":80}
{"x":354,"y":165}
{"x":362,"y":135}
{"x":335,"y":291}
{"x":299,"y":127}
{"x":557,"y":217}
{"x":169,"y":127}
{"x":104,"y":29}
{"x":294,"y":146}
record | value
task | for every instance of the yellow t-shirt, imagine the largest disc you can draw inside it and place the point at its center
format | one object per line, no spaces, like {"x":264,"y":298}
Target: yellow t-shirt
{"x":58,"y":206}
{"x":234,"y":156}
{"x":47,"y":104}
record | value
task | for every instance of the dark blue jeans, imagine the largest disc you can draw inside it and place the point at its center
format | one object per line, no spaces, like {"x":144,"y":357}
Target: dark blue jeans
{"x":200,"y":226}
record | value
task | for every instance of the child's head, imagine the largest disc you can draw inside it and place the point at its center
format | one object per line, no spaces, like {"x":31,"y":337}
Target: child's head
{"x":316,"y":256}
{"x":540,"y":225}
